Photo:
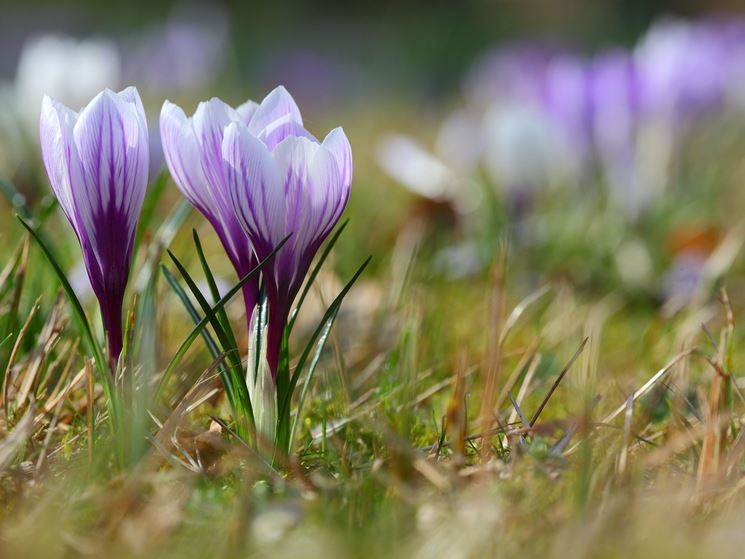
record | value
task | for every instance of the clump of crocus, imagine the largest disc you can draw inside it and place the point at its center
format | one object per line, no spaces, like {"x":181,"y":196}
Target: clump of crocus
{"x":258,"y":176}
{"x":193,"y":152}
{"x":97,"y":163}
{"x":261,"y":178}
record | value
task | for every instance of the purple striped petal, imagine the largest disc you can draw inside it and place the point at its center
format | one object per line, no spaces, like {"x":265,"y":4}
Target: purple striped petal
{"x":313,"y":194}
{"x":97,"y":163}
{"x":255,"y":187}
{"x":112,"y":144}
{"x":193,"y":148}
{"x":210,"y":121}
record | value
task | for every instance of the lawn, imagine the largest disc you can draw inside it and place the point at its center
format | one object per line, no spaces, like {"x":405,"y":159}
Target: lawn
{"x":523,"y":341}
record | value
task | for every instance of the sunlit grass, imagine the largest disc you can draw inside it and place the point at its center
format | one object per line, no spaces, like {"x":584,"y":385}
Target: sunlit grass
{"x":390,"y":457}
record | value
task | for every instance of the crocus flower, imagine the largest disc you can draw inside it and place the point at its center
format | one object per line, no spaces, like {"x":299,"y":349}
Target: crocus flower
{"x":521,"y":152}
{"x":621,"y":128}
{"x":193,"y":152}
{"x":97,"y":163}
{"x":685,"y":67}
{"x":281,"y":181}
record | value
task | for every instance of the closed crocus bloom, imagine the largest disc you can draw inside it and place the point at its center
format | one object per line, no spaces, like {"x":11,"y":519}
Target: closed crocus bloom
{"x":192,"y":147}
{"x":282,"y":181}
{"x":97,"y":163}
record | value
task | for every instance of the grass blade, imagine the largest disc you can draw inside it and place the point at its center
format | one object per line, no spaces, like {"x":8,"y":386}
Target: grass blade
{"x":145,"y":288}
{"x":186,"y":344}
{"x":229,"y":349}
{"x":311,"y":369}
{"x":209,"y":276}
{"x":190,"y":309}
{"x":558,"y":380}
{"x":194,"y":314}
{"x":314,"y":273}
{"x":330,"y":315}
{"x":162,"y":239}
{"x":77,"y":307}
{"x":79,"y":315}
{"x":154,"y":193}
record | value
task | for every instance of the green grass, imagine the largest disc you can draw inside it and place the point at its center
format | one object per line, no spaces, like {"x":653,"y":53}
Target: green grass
{"x":438,"y":422}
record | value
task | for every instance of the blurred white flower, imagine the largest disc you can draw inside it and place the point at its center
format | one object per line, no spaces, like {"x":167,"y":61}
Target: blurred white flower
{"x":408,"y":163}
{"x":67,"y":69}
{"x":447,"y":175}
{"x":458,"y":141}
{"x":521,"y":148}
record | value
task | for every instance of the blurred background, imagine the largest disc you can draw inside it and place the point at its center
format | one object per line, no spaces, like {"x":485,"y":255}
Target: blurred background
{"x":601,"y":140}
{"x":549,"y":170}
{"x":419,"y":47}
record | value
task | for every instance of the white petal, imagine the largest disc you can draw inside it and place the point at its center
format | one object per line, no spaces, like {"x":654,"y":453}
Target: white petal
{"x":132,"y":96}
{"x":274,"y":135}
{"x":181,"y":151}
{"x":328,"y":196}
{"x":261,"y":386}
{"x":59,"y":152}
{"x":211,"y":118}
{"x":337,"y":143}
{"x":246,"y":111}
{"x":276,"y":109}
{"x":210,"y":121}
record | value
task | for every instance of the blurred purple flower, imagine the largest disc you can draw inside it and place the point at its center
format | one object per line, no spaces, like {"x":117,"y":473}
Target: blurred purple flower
{"x":684,"y":67}
{"x":193,"y":152}
{"x":620,"y":126}
{"x":185,"y":54}
{"x":567,"y":102}
{"x":315,"y":77}
{"x":684,"y":276}
{"x":97,"y":163}
{"x":283,"y":181}
{"x":515,"y":72}
{"x":534,"y":92}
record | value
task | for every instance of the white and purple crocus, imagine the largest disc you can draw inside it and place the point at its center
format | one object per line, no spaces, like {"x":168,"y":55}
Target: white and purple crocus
{"x":258,"y":175}
{"x":193,"y":152}
{"x":97,"y":163}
